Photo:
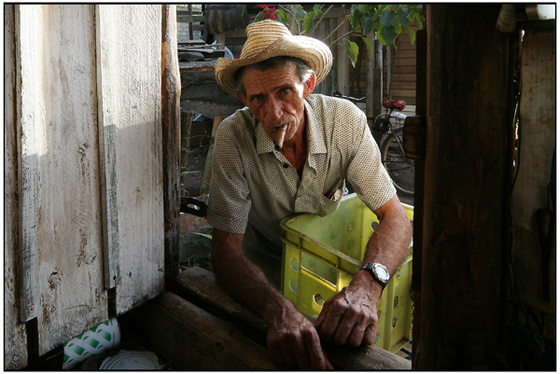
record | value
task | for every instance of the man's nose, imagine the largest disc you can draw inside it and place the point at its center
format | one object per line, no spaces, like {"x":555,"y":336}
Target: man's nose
{"x":275,"y":109}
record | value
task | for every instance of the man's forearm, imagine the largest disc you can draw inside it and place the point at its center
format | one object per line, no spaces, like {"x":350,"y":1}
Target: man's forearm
{"x":242,"y":279}
{"x":389,"y":242}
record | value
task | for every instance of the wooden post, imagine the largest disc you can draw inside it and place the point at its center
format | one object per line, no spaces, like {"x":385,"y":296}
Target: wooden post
{"x":171,"y":94}
{"x":419,"y":165}
{"x":465,"y":180}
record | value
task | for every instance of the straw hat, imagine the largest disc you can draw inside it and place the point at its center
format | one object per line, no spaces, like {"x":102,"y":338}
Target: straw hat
{"x":267,"y":39}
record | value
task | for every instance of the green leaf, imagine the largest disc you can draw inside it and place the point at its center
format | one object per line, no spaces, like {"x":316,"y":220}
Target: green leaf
{"x":355,"y":23}
{"x":411,"y":34}
{"x":317,"y":8}
{"x":259,"y":17}
{"x":308,"y":22}
{"x":398,"y":29}
{"x":387,"y":8}
{"x":389,"y":35}
{"x":283,"y":16}
{"x":369,"y":43}
{"x":380,"y":38}
{"x":386,"y":18}
{"x":402,"y":17}
{"x":367,"y":23}
{"x":419,"y":19}
{"x":299,"y":12}
{"x":363,"y":8}
{"x":352,"y":52}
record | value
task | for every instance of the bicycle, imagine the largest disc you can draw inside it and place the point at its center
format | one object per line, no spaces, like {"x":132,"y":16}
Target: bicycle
{"x":399,"y":167}
{"x":391,"y":124}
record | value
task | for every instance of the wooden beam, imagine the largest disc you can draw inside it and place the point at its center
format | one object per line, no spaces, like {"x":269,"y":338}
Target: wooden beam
{"x":193,"y":339}
{"x":465,"y":188}
{"x":199,"y":285}
{"x":196,"y":66}
{"x":171,"y":138}
{"x":419,"y":163}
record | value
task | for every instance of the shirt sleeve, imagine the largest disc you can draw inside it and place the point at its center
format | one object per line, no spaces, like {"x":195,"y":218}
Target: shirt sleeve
{"x":366,"y":172}
{"x":228,"y":203}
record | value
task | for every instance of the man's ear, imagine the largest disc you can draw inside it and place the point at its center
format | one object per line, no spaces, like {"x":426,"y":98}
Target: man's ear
{"x":309,"y":86}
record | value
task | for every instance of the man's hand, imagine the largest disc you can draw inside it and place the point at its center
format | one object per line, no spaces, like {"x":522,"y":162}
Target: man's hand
{"x":350,"y":317}
{"x":293,"y":340}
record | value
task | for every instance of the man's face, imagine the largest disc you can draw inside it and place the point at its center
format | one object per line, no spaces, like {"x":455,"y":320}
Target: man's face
{"x":276,"y":97}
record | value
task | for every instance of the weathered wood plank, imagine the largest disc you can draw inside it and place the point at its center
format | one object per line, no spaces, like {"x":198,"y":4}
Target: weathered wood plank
{"x":200,"y":284}
{"x":15,"y":337}
{"x":196,"y":66}
{"x":171,"y":139}
{"x":107,"y":153}
{"x":28,"y":170}
{"x":193,"y":339}
{"x":134,"y":54}
{"x":58,"y":101}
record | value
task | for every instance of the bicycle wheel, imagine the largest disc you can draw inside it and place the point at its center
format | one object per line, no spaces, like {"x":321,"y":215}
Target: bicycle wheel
{"x":399,"y":167}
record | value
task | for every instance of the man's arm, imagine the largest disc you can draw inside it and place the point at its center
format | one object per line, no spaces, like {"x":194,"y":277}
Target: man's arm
{"x":292,"y":339}
{"x":350,"y":317}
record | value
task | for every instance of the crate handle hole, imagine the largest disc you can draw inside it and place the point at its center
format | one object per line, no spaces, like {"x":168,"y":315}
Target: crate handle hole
{"x":294,"y":264}
{"x":394,"y":322}
{"x":318,"y":299}
{"x":395,"y":302}
{"x":293,"y":285}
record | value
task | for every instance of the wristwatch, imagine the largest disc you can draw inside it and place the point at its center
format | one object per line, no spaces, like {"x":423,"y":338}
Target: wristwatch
{"x":378,"y":272}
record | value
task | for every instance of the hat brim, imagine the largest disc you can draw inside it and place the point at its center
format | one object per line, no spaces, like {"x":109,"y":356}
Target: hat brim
{"x":314,"y":52}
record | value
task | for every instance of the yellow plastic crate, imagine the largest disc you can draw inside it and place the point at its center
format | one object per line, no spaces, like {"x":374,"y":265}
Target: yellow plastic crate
{"x":321,"y":255}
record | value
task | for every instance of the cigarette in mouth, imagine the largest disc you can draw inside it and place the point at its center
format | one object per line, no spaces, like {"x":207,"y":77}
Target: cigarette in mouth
{"x":281,"y":135}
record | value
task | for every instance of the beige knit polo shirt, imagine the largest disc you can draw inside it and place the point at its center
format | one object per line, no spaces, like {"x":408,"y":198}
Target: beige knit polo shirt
{"x":254,"y":184}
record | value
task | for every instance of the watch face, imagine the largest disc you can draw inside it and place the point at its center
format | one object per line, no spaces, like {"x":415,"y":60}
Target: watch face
{"x":382,"y":272}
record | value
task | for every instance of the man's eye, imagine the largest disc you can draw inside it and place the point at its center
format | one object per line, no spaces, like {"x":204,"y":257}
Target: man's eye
{"x":286,"y":91}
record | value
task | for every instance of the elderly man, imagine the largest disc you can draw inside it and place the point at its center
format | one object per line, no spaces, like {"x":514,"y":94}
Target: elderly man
{"x":290,"y":151}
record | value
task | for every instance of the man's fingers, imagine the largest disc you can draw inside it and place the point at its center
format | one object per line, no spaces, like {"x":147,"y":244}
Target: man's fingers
{"x":369,"y":335}
{"x":331,"y":320}
{"x":289,"y":356}
{"x":321,"y":319}
{"x":316,"y":355}
{"x":282,"y":351}
{"x":349,"y":323}
{"x":358,"y":334}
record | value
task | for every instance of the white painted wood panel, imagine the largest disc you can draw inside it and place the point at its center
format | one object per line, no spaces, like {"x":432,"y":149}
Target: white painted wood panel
{"x":84,"y":161}
{"x":59,"y":112}
{"x":130,"y":38}
{"x":15,"y":337}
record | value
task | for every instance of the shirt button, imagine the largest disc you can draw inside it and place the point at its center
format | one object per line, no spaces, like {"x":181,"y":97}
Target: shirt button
{"x":286,"y":165}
